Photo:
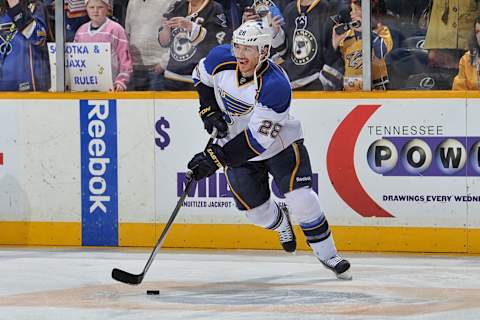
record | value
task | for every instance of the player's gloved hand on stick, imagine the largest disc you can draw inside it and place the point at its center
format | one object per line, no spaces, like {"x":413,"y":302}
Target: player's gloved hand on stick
{"x":204,"y":164}
{"x":213,"y":118}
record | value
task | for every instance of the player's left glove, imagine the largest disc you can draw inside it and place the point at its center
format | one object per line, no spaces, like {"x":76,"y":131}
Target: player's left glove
{"x":204,"y":164}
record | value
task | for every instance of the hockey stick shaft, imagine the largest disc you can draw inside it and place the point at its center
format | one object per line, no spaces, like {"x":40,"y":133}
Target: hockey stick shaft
{"x":135,"y":279}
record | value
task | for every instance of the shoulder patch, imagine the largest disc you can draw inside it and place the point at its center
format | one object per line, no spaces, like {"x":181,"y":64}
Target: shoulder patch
{"x":218,"y":57}
{"x":275,"y":90}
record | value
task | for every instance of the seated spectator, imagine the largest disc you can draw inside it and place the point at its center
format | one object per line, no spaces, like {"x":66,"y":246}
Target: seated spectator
{"x":349,"y":44}
{"x":190,"y":29}
{"x":149,"y":58}
{"x":469,"y":65}
{"x":309,"y":59}
{"x":102,"y":29}
{"x":23,"y":66}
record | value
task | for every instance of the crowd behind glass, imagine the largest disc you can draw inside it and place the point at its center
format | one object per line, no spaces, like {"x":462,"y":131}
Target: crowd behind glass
{"x":155,"y":44}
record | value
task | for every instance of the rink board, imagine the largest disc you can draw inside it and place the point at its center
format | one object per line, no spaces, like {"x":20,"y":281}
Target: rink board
{"x":395,"y":171}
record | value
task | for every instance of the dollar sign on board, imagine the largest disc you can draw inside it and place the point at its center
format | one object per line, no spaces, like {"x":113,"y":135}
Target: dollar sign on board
{"x":160,"y":127}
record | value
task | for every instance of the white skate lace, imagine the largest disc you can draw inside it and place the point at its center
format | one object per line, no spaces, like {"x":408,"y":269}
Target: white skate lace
{"x":332,"y":262}
{"x":286,"y":234}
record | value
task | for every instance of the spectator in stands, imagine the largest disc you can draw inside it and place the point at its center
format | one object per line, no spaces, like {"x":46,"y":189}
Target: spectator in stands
{"x":448,"y":30}
{"x":235,"y":9}
{"x":349,"y":45}
{"x":190,"y":29}
{"x":102,"y":29}
{"x":75,"y":16}
{"x":309,"y":59}
{"x":119,"y":10}
{"x":149,"y":58}
{"x":268,"y":11}
{"x":450,"y":23}
{"x":469,"y":66}
{"x":23,"y":66}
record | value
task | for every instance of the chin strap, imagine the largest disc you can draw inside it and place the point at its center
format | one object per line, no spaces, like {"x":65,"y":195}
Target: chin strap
{"x":259,"y":64}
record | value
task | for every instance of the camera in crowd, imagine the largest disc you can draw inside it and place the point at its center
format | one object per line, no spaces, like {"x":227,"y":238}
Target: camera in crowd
{"x":343,"y":22}
{"x":260,"y":10}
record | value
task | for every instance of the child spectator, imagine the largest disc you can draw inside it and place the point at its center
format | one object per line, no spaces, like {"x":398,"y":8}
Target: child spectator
{"x":23,"y":66}
{"x":469,"y":65}
{"x":191,"y":29}
{"x":102,"y":29}
{"x":349,"y":45}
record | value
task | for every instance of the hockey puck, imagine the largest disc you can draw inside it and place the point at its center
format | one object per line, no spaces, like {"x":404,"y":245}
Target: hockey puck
{"x":153,"y":292}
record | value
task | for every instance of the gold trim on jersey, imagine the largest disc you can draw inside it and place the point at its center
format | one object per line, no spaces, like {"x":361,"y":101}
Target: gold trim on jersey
{"x":261,"y":71}
{"x":222,"y":64}
{"x":234,"y":193}
{"x":297,"y":164}
{"x":202,"y":6}
{"x":249,"y":144}
{"x":310,"y":8}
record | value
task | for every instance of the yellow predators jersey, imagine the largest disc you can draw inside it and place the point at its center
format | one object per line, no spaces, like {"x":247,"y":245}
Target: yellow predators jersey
{"x":467,"y":78}
{"x":351,"y":50}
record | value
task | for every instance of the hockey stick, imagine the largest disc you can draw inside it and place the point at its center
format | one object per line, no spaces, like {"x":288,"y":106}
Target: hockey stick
{"x":135,"y":279}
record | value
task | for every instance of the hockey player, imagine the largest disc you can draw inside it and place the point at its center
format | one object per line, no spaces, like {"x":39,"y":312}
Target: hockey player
{"x":23,"y":66}
{"x":246,"y":98}
{"x":191,"y":29}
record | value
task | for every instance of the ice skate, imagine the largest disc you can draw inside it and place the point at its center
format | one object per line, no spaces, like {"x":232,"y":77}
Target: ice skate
{"x":339,"y":266}
{"x":285,"y":231}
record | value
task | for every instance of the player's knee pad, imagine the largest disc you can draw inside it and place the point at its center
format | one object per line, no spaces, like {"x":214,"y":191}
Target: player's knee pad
{"x":304,"y":205}
{"x":264,"y":215}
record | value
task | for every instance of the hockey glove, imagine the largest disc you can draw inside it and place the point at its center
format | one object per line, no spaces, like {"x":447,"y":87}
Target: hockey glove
{"x":213,"y":118}
{"x":204,"y":164}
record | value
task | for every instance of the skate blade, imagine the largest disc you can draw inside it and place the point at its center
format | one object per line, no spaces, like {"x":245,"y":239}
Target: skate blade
{"x":347,"y":276}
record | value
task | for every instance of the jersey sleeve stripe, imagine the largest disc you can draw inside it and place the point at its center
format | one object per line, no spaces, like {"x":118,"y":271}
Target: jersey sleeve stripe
{"x":297,"y":164}
{"x":253,"y":143}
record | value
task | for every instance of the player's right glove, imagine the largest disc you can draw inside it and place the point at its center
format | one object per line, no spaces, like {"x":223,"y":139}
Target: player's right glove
{"x":213,"y":118}
{"x":204,"y":164}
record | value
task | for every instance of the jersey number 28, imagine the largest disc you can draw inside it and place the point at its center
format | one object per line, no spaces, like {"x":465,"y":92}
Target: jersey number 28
{"x":268,"y":128}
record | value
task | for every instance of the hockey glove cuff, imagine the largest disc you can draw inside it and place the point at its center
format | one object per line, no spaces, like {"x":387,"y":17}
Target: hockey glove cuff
{"x":214,"y":118}
{"x":204,"y":164}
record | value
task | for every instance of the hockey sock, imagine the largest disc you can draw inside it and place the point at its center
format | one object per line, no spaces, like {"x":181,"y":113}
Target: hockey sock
{"x":319,"y":238}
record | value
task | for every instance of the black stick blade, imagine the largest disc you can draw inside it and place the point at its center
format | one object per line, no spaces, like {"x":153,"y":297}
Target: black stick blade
{"x":127,"y":277}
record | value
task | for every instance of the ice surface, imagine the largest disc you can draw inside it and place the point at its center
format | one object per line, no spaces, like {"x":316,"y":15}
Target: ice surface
{"x":66,"y":284}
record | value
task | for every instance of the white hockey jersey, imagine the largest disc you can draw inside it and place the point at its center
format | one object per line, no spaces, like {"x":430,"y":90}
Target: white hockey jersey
{"x":262,"y":115}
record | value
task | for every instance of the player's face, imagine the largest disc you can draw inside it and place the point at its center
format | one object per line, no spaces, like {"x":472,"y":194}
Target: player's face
{"x":97,"y":12}
{"x":247,"y":58}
